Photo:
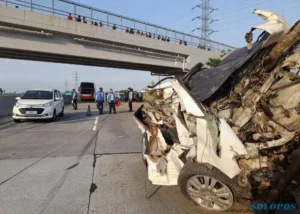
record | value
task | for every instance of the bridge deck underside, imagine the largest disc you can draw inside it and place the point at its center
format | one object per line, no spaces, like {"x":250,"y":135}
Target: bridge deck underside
{"x":61,"y":58}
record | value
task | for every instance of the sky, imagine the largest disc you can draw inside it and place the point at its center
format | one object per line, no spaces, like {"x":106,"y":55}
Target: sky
{"x":234,"y":19}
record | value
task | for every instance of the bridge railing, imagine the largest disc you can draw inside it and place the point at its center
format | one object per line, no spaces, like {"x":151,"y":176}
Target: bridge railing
{"x":64,"y":8}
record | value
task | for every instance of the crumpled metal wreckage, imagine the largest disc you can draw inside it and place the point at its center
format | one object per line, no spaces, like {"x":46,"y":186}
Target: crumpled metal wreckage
{"x":232,"y":131}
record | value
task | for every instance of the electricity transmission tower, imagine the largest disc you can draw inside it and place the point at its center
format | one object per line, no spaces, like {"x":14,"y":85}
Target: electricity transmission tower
{"x":206,"y":19}
{"x":66,"y":84}
{"x":76,"y":80}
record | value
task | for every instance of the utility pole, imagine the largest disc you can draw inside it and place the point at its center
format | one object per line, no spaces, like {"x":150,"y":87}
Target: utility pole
{"x":76,"y":80}
{"x":206,"y":20}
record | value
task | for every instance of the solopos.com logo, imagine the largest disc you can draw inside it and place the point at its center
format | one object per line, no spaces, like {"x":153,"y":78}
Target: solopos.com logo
{"x":273,"y":206}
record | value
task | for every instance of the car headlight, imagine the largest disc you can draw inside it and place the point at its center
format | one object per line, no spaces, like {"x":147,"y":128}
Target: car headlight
{"x":17,"y":104}
{"x":47,"y":104}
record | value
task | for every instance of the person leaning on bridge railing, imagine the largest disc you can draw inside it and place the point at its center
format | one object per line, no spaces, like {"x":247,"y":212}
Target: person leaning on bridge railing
{"x":70,"y":17}
{"x":78,"y":18}
{"x":132,"y":31}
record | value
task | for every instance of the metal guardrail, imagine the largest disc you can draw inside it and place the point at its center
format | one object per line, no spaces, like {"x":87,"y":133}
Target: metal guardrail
{"x":118,"y":22}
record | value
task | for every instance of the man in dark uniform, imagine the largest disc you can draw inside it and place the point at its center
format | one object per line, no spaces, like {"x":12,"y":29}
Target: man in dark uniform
{"x":111,"y":99}
{"x":100,"y":100}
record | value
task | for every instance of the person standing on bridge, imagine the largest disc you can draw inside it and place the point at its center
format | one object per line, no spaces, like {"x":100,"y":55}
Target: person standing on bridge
{"x":70,"y":17}
{"x":84,"y":20}
{"x":78,"y":18}
{"x":100,"y":100}
{"x":111,"y":99}
{"x":114,"y":27}
{"x":130,"y":96}
{"x":74,"y":99}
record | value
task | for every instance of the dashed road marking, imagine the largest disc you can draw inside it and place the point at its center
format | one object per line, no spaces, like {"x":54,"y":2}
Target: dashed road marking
{"x":95,"y":126}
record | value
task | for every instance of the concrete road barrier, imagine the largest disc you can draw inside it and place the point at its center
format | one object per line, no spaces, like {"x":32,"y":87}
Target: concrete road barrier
{"x":7,"y":103}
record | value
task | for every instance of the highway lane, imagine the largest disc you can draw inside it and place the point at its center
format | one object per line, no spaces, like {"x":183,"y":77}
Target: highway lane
{"x":80,"y":164}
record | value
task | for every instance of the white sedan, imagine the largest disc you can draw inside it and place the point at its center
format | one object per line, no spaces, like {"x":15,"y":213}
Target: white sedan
{"x":38,"y":104}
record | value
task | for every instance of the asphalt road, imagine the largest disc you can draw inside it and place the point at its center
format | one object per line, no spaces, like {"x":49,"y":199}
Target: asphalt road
{"x":74,"y":166}
{"x":80,"y":164}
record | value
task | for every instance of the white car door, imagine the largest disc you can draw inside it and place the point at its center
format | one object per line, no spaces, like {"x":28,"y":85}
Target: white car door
{"x":57,"y":102}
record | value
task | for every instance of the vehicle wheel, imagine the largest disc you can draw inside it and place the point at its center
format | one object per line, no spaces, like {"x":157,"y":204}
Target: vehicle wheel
{"x":54,"y":116}
{"x":209,"y":188}
{"x":62,"y":112}
{"x":17,"y":121}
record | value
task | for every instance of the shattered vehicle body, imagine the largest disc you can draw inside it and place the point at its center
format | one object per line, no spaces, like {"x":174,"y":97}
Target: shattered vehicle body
{"x":232,"y":131}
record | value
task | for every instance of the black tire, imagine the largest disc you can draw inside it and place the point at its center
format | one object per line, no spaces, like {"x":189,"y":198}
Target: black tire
{"x":62,"y":113}
{"x":191,"y":169}
{"x":17,"y":121}
{"x":53,"y":119}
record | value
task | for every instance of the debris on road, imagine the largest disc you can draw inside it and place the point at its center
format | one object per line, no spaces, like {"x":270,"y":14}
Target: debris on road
{"x":242,"y":118}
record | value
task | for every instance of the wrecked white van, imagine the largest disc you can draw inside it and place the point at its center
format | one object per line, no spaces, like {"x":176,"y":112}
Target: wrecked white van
{"x":230,"y":131}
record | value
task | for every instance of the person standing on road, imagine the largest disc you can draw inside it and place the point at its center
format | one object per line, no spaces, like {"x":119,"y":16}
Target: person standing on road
{"x":100,"y":100}
{"x":130,"y":96}
{"x":111,"y":99}
{"x":74,"y":99}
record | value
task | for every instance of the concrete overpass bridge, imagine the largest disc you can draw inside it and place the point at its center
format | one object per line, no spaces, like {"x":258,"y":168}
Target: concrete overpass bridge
{"x":43,"y":33}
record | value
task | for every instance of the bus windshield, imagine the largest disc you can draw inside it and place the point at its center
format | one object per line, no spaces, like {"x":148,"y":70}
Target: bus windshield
{"x":87,"y":85}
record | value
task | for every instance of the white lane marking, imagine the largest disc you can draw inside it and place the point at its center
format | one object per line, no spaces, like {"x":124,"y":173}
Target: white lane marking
{"x":95,"y":126}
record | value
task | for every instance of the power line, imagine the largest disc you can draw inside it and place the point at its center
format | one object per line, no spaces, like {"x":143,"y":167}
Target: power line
{"x":232,"y":6}
{"x":225,"y":16}
{"x":254,"y":17}
{"x":205,"y":18}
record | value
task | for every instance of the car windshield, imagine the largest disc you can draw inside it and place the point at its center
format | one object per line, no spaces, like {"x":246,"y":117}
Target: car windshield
{"x":40,"y":95}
